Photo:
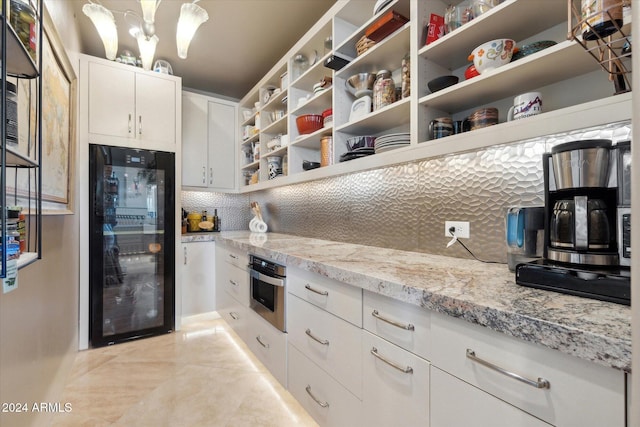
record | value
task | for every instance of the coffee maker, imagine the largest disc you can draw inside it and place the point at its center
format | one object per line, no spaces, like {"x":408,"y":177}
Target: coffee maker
{"x":587,"y":250}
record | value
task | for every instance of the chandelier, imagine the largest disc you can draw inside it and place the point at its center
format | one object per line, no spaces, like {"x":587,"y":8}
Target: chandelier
{"x":143,"y":30}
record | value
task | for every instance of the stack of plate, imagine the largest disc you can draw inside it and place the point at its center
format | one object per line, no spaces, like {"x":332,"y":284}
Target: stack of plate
{"x":391,"y":142}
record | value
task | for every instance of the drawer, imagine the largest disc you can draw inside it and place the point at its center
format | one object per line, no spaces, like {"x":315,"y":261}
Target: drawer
{"x":456,"y":403}
{"x":405,"y":325}
{"x":236,"y":257}
{"x":329,"y":341}
{"x":395,"y":385}
{"x":269,"y":345}
{"x":236,"y":283}
{"x":328,"y":402}
{"x":235,"y":315}
{"x":339,"y":298}
{"x":580,"y":393}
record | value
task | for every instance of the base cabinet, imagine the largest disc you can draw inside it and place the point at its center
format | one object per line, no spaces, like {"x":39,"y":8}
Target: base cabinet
{"x":457,"y":403}
{"x":326,"y":400}
{"x":197,"y":274}
{"x":395,"y":385}
{"x":268,"y":344}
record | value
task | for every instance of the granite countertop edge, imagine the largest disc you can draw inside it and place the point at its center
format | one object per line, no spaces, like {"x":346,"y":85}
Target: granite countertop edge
{"x":482,"y":294}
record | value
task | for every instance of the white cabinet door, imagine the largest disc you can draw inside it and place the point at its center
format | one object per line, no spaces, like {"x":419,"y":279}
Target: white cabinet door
{"x":457,"y":403}
{"x":111,"y":100}
{"x":268,"y":344}
{"x":198,"y":278}
{"x":222,"y":153}
{"x":328,"y":402}
{"x":156,"y":112}
{"x":395,"y":385}
{"x":194,"y":140}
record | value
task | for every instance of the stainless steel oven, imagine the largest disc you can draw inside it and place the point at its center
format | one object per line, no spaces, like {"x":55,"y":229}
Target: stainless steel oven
{"x":268,"y":292}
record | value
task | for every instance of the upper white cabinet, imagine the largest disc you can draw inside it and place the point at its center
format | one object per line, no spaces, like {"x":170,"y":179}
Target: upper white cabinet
{"x":576,"y":91}
{"x":208,"y":142}
{"x":130,"y":107}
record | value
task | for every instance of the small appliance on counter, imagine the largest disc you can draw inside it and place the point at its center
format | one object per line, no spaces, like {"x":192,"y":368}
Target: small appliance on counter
{"x":587,"y":228}
{"x":525,"y":234}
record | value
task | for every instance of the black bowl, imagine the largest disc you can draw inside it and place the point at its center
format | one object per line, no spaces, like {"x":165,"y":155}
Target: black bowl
{"x":307,"y":165}
{"x":442,"y":82}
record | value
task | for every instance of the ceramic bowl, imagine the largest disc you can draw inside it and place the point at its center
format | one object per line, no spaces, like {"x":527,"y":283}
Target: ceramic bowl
{"x":471,"y":72}
{"x":360,"y":142}
{"x":442,"y":82}
{"x":307,"y":165}
{"x":529,"y":49}
{"x":309,"y":123}
{"x":360,"y":84}
{"x":491,"y":55}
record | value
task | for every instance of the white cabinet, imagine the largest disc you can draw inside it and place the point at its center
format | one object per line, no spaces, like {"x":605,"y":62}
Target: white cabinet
{"x":395,"y":385}
{"x":208,"y":142}
{"x":328,"y":402}
{"x":268,"y":344}
{"x":561,"y":390}
{"x":457,"y":403}
{"x":232,"y":288}
{"x":198,"y":274}
{"x":130,"y":107}
{"x":330,"y":342}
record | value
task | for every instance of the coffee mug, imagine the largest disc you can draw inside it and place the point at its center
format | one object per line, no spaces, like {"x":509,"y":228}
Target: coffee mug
{"x":525,"y":105}
{"x":440,"y":127}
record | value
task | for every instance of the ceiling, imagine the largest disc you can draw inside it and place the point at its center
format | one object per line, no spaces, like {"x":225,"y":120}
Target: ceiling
{"x":231,"y":52}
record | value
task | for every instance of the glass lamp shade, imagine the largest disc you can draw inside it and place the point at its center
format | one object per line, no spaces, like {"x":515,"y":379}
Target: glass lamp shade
{"x":191,"y":17}
{"x":105,"y":24}
{"x":147,"y":48}
{"x":149,"y":9}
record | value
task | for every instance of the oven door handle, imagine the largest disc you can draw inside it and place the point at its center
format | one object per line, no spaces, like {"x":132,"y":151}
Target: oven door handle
{"x":267,"y":279}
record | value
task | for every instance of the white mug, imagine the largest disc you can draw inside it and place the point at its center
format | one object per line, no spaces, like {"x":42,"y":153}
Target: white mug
{"x":525,"y":105}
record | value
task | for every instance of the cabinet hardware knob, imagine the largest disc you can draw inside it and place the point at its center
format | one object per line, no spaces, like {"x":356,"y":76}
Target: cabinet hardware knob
{"x":540,"y":383}
{"x":406,"y":326}
{"x":318,"y":401}
{"x":321,"y":341}
{"x":406,"y":370}
{"x":308,"y":287}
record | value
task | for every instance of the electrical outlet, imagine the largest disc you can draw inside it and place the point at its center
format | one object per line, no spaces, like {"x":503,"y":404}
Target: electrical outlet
{"x":461,"y":229}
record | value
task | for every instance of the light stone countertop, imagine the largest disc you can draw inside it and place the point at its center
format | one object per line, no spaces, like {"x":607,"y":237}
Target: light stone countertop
{"x":480,"y":293}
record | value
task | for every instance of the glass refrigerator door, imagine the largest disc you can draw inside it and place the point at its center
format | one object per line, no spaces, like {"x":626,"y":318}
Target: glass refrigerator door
{"x":132,"y":254}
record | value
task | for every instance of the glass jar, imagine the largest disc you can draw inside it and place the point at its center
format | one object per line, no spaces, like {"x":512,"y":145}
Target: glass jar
{"x":384,"y":90}
{"x":300,"y":65}
{"x":326,"y":151}
{"x":23,"y":20}
{"x":406,"y":76}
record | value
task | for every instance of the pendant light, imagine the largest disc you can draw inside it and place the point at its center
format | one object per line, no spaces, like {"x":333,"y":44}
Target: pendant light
{"x":105,"y":24}
{"x":191,"y":17}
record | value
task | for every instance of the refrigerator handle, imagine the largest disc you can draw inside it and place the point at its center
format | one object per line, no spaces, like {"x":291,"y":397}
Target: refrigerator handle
{"x":185,"y":255}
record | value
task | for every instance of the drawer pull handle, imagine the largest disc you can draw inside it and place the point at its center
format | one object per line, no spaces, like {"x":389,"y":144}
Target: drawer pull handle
{"x":407,"y":326}
{"x":233,"y":256}
{"x":234,"y":283}
{"x":318,"y":401}
{"x":233,"y":315}
{"x":259,"y":339}
{"x":407,"y":370}
{"x":309,"y":288}
{"x":540,"y":383}
{"x":323,"y":342}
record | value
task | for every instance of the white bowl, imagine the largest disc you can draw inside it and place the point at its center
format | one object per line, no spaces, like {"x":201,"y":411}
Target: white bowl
{"x":491,"y":55}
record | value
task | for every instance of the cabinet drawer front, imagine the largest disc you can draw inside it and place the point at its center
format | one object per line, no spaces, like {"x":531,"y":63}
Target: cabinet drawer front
{"x":328,"y":402}
{"x":580,"y":393}
{"x":236,"y":257}
{"x":235,"y":315}
{"x":395,"y":384}
{"x":236,"y":284}
{"x":456,"y":403}
{"x":269,"y":345}
{"x":403,"y":324}
{"x":339,"y":298}
{"x":328,"y":340}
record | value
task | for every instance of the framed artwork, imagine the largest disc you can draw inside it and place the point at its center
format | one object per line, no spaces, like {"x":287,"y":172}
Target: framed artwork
{"x":59,"y":86}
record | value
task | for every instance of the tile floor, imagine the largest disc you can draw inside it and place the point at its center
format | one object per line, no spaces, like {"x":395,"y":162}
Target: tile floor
{"x":201,"y":376}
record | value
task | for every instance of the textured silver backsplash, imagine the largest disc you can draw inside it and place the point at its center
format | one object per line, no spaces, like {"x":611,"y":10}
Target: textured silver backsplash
{"x":405,"y":206}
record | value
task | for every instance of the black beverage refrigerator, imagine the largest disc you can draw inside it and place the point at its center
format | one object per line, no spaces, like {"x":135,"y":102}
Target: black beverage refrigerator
{"x":131,"y":243}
